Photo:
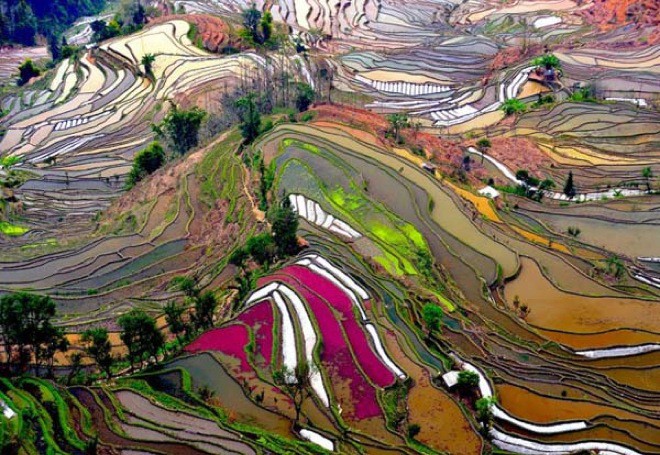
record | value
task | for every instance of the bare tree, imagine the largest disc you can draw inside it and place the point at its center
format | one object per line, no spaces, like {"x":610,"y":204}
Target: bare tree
{"x":296,"y":384}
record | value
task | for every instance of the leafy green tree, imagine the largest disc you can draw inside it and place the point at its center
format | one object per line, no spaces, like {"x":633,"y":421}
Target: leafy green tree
{"x":432,"y":315}
{"x":238,"y":257}
{"x":54,"y":47}
{"x":647,"y":173}
{"x":105,"y":30}
{"x":295,"y":383}
{"x":304,"y":96}
{"x":285,"y":228}
{"x":181,"y":127}
{"x":250,"y":117}
{"x":26,"y":71}
{"x":468,"y":381}
{"x":513,"y":106}
{"x":615,"y":266}
{"x":187,"y":285}
{"x":140,"y":335}
{"x":397,"y":123}
{"x":205,"y":306}
{"x":546,"y":184}
{"x":262,"y":248}
{"x":547,"y":61}
{"x":522,"y":175}
{"x":266,"y":24}
{"x":483,"y":145}
{"x":27,"y":330}
{"x":148,"y":62}
{"x":251,"y":21}
{"x":174,"y":318}
{"x":97,"y":346}
{"x":569,"y":186}
{"x":23,"y":23}
{"x":146,"y":162}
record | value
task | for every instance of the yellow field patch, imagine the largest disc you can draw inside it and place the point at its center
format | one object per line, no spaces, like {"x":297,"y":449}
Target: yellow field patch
{"x":535,"y":238}
{"x":481,"y":203}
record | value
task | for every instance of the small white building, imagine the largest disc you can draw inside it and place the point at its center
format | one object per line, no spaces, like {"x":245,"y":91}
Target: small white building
{"x":6,"y":410}
{"x":450,"y":379}
{"x":489,"y":191}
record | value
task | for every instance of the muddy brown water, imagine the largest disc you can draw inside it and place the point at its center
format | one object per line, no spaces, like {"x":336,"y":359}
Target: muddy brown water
{"x":205,"y":370}
{"x":572,"y":313}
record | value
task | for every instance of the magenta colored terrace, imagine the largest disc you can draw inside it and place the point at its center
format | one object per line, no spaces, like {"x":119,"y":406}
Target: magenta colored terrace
{"x":259,"y":318}
{"x":336,"y":356}
{"x":229,"y":340}
{"x":357,"y":338}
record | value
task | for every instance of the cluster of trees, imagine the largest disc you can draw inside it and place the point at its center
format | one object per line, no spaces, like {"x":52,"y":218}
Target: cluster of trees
{"x":30,"y":339}
{"x":131,"y":17}
{"x":27,"y":333}
{"x":280,"y":243}
{"x":533,"y":187}
{"x":141,"y":335}
{"x":258,"y":28}
{"x":180,"y":128}
{"x":468,"y":385}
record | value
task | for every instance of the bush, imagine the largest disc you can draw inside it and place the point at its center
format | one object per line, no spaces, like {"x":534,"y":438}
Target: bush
{"x":584,"y":95}
{"x":513,"y":106}
{"x":547,"y":61}
{"x":27,"y":71}
{"x":146,"y":162}
{"x":413,"y":430}
{"x":468,"y":380}
{"x":307,"y":117}
{"x":304,"y":96}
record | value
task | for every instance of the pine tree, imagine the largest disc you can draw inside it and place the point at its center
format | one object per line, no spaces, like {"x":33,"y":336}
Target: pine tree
{"x":569,"y":187}
{"x":285,"y":226}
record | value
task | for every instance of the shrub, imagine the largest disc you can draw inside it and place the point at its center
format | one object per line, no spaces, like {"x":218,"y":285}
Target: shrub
{"x":547,"y":61}
{"x":468,"y":380}
{"x":513,"y":106}
{"x":584,"y":95}
{"x":304,"y":96}
{"x":146,"y":162}
{"x":413,"y":430}
{"x":27,"y":71}
{"x":307,"y":117}
{"x":574,"y":231}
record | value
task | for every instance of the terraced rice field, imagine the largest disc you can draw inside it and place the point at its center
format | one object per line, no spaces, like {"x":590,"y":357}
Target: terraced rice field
{"x":551,"y":302}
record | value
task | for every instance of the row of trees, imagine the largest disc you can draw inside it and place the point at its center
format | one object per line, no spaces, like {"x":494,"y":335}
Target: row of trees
{"x":27,"y":332}
{"x":30,"y":338}
{"x":141,"y":335}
